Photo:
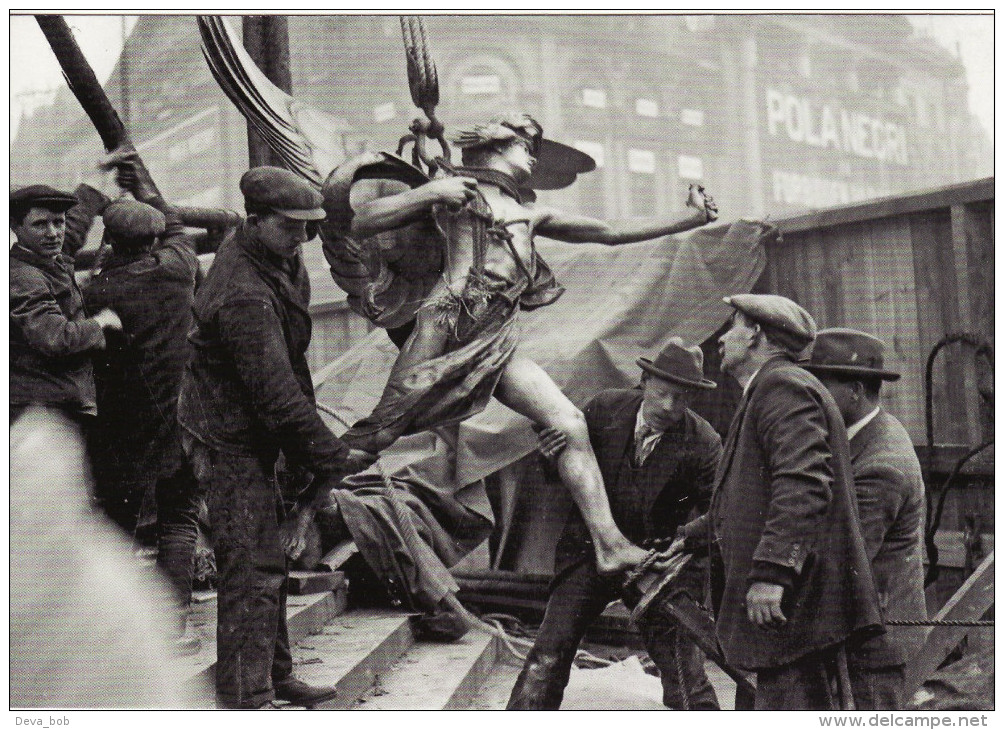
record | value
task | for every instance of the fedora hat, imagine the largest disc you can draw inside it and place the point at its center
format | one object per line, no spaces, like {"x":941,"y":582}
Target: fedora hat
{"x":843,"y":351}
{"x":679,"y":364}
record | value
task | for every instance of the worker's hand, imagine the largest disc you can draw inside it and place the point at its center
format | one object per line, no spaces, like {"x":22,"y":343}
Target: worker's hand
{"x":763,"y":605}
{"x":453,"y":192}
{"x":122,"y":159}
{"x":357,"y":460}
{"x":701,"y":200}
{"x":670,"y":554}
{"x":293,"y":533}
{"x":108,"y":320}
{"x":551,"y":442}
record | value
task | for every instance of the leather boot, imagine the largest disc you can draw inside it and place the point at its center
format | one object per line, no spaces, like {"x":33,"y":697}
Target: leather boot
{"x":297,"y":692}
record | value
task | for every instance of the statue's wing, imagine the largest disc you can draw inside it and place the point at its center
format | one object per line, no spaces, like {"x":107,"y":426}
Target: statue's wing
{"x":308,"y":140}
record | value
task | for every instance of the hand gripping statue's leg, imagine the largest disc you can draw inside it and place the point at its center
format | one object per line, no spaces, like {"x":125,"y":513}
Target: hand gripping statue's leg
{"x":528,"y":390}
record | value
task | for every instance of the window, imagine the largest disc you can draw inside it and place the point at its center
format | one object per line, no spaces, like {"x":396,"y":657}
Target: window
{"x":384,"y":112}
{"x":596,"y":98}
{"x":692,"y":117}
{"x":641,"y":161}
{"x":646,"y":107}
{"x":690,"y":168}
{"x":486,"y":84}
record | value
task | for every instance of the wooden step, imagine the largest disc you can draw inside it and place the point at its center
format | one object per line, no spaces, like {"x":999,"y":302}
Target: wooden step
{"x":305,"y":615}
{"x":436,"y":675}
{"x":351,"y":651}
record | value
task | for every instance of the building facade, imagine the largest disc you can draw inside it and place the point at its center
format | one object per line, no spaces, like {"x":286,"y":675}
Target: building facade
{"x":773,"y":114}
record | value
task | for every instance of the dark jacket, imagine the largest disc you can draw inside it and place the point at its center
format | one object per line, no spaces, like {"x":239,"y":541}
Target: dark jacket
{"x":138,"y":376}
{"x":247,"y":389}
{"x":651,"y":501}
{"x":783,"y":511}
{"x":890,"y":491}
{"x":51,"y":339}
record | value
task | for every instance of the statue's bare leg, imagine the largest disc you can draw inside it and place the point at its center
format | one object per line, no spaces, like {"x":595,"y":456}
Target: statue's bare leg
{"x":528,"y":390}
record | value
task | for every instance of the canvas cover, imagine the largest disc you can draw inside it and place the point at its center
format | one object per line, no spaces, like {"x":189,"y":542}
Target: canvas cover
{"x":621,"y":302}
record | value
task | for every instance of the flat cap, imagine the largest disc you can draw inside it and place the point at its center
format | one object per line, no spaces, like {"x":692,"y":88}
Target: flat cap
{"x":282,"y":191}
{"x":790,"y":324}
{"x":131,"y":219}
{"x":42,"y":196}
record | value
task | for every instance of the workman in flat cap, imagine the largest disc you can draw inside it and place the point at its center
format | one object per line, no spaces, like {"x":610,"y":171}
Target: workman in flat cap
{"x":246,"y":395}
{"x":791,"y":582}
{"x":51,"y":336}
{"x":149,"y":279}
{"x":658,"y":460}
{"x":890,"y":494}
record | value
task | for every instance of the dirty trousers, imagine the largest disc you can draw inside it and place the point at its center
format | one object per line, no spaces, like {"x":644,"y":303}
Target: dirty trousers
{"x":579,"y":595}
{"x":252,"y":644}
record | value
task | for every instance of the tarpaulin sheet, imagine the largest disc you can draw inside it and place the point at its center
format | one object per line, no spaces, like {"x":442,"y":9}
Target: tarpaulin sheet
{"x":621,"y":303}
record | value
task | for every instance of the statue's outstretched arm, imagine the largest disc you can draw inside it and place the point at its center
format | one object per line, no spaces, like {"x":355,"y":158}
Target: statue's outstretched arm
{"x":394,"y":211}
{"x":572,"y":228}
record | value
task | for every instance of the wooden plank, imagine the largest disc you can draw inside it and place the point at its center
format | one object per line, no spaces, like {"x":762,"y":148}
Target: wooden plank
{"x":959,"y":253}
{"x":302,"y":582}
{"x":945,"y":458}
{"x":936,"y":315}
{"x":980,"y":255}
{"x":339,"y":555}
{"x":969,"y":603}
{"x":961,"y":194}
{"x":896,"y":321}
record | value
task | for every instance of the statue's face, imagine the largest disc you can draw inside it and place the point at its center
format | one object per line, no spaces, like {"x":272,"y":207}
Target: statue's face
{"x":517,"y":156}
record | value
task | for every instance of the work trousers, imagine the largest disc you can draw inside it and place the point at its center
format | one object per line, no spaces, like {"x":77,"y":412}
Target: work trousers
{"x":809,"y":683}
{"x":252,"y":644}
{"x":579,"y":595}
{"x":178,"y":499}
{"x":878,"y":688}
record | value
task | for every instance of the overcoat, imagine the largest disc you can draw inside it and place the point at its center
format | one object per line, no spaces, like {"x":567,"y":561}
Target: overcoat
{"x":247,"y":388}
{"x":783,"y":510}
{"x":890,"y":492}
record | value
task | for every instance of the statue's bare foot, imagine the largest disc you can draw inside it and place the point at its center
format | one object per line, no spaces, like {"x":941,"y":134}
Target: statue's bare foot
{"x":617,"y":560}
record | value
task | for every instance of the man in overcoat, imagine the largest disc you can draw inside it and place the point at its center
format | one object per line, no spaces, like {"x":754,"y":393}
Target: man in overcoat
{"x":890,"y":496}
{"x":246,"y":395}
{"x":658,"y":460}
{"x":791,"y":582}
{"x":149,"y":279}
{"x":51,"y":336}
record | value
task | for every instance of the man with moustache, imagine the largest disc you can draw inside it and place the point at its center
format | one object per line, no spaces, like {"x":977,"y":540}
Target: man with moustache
{"x":658,"y":460}
{"x":890,"y":495}
{"x":791,"y":583}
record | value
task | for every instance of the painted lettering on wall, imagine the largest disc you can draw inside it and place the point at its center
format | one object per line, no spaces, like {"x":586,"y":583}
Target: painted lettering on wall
{"x":793,"y":188}
{"x":830,"y":127}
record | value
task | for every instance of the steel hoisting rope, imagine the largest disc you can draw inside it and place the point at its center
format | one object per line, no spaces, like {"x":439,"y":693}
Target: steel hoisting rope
{"x":423,"y":82}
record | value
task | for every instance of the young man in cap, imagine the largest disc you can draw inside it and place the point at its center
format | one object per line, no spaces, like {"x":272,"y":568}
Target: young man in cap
{"x":149,"y":279}
{"x":51,"y":336}
{"x":246,"y":395}
{"x":790,"y":578}
{"x":658,"y":460}
{"x":462,"y":348}
{"x":890,"y":496}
